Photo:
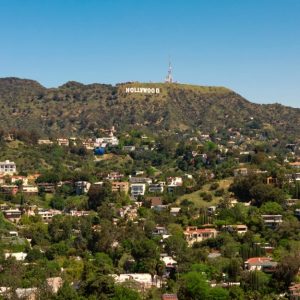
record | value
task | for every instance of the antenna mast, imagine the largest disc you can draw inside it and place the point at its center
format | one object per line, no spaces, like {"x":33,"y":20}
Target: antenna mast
{"x":169,"y":78}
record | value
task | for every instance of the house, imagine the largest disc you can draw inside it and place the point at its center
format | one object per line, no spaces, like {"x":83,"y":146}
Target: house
{"x":272,"y":221}
{"x":29,"y":189}
{"x":144,"y":280}
{"x":137,"y":189}
{"x":129,"y":148}
{"x":8,"y":167}
{"x":193,"y":234}
{"x":140,"y":180}
{"x":174,"y":211}
{"x":54,"y":283}
{"x":239,"y":229}
{"x":63,"y":142}
{"x":154,"y":201}
{"x":265,"y":264}
{"x":156,"y":188}
{"x":27,"y":293}
{"x":120,"y":186}
{"x":159,"y":230}
{"x":174,"y":181}
{"x":291,"y":202}
{"x":294,"y":291}
{"x":169,"y":261}
{"x":9,"y":189}
{"x":110,"y":140}
{"x":295,"y":165}
{"x":114,"y":176}
{"x":46,"y":187}
{"x":47,"y":215}
{"x":240,"y":172}
{"x":13,"y":215}
{"x":45,"y":142}
{"x":129,"y":212}
{"x":20,"y":256}
{"x":82,"y":187}
{"x":79,"y":213}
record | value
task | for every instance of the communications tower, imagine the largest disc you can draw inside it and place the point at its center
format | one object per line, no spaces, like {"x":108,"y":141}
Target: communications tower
{"x":169,"y":78}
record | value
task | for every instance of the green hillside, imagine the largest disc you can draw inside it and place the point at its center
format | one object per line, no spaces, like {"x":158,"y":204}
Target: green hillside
{"x":75,"y":108}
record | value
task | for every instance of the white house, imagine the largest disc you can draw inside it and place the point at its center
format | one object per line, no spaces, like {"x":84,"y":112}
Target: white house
{"x":8,"y":167}
{"x":137,"y":189}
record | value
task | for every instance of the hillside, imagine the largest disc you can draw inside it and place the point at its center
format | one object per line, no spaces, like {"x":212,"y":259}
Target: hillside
{"x":75,"y":108}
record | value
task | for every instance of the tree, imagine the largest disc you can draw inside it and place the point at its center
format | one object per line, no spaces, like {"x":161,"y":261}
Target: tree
{"x":193,"y":286}
{"x":124,"y":293}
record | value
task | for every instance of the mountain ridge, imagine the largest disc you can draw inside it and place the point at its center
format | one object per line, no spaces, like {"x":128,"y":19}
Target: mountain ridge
{"x":76,"y":108}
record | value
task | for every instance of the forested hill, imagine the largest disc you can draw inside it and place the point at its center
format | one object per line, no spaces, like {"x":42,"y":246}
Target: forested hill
{"x":75,"y":108}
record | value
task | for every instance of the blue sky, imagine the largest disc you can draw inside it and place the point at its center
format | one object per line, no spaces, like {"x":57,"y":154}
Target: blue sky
{"x":250,"y":46}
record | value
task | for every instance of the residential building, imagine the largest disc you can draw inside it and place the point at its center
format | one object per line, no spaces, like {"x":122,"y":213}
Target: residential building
{"x":45,"y":142}
{"x":120,"y":186}
{"x":27,"y":293}
{"x":154,"y":201}
{"x":9,"y":189}
{"x":140,"y":180}
{"x":144,"y":280}
{"x":54,"y":283}
{"x":294,"y":291}
{"x":265,"y":264}
{"x":29,"y":189}
{"x":129,"y":148}
{"x":20,"y":256}
{"x":13,"y":215}
{"x":193,"y":234}
{"x":82,"y":187}
{"x":114,"y":176}
{"x":239,"y":229}
{"x":295,"y":165}
{"x":240,"y":172}
{"x":47,"y":187}
{"x":174,"y":211}
{"x":137,"y":189}
{"x":8,"y":167}
{"x":156,"y":188}
{"x":63,"y":142}
{"x":47,"y":215}
{"x":174,"y":181}
{"x":272,"y":221}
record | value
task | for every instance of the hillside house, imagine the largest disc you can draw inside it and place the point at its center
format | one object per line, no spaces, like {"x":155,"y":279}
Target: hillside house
{"x":46,"y":187}
{"x":156,"y":188}
{"x":82,"y":187}
{"x":63,"y":142}
{"x":144,"y":280}
{"x":120,"y":186}
{"x":8,"y":167}
{"x":137,"y":189}
{"x":240,"y":172}
{"x":9,"y":189}
{"x":29,"y":189}
{"x":140,"y":180}
{"x":194,"y":235}
{"x":272,"y":221}
{"x":47,"y":215}
{"x":13,"y":215}
{"x":265,"y":264}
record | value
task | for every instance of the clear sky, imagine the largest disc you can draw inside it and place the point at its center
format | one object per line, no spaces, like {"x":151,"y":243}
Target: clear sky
{"x":250,"y":46}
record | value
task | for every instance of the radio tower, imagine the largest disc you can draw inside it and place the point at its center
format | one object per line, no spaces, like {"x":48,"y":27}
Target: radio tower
{"x":169,"y":78}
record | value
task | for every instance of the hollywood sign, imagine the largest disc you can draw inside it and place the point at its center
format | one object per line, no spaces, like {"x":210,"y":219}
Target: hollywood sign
{"x":143,"y":90}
